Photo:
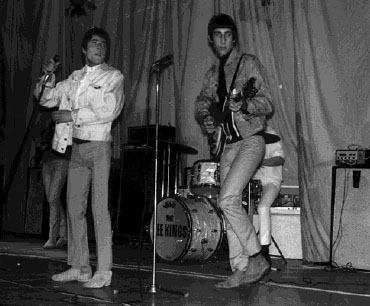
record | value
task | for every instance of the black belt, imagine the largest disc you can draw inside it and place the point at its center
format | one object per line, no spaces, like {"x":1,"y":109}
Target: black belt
{"x":269,"y":138}
{"x":80,"y":141}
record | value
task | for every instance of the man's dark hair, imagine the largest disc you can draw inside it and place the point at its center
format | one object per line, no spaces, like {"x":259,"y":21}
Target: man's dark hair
{"x":222,"y":21}
{"x":99,"y":32}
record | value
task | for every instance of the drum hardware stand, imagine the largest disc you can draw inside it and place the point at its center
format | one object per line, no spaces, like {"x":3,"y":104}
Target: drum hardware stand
{"x":168,"y":165}
{"x":156,"y":68}
{"x":277,"y":247}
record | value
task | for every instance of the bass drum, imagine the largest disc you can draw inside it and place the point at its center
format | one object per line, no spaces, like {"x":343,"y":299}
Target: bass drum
{"x":187,"y":229}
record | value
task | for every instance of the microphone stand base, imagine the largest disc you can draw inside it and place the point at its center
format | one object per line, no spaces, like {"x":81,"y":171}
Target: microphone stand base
{"x":153,"y":288}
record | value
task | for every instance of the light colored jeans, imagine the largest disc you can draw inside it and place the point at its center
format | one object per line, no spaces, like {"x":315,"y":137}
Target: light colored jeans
{"x":89,"y":166}
{"x":237,"y":166}
{"x":54,"y":174}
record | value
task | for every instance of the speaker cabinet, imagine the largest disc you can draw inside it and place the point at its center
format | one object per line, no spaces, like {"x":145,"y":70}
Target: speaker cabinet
{"x":351,"y":217}
{"x":36,"y":213}
{"x":286,"y":231}
{"x":137,"y":189}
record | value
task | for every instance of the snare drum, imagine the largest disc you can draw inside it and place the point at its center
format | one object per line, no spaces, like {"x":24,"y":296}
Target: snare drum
{"x":190,"y":228}
{"x":205,"y":179}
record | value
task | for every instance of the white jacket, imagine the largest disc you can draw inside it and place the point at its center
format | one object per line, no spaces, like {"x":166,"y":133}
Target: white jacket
{"x":95,"y":99}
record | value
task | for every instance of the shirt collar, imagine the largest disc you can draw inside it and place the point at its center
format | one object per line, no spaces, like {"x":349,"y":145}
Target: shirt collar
{"x":89,"y":69}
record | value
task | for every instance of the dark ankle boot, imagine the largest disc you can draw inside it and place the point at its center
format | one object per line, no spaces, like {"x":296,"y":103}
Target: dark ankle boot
{"x":266,"y":253}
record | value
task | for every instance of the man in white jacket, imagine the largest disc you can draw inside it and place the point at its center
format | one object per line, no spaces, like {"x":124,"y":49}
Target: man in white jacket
{"x":88,"y":100}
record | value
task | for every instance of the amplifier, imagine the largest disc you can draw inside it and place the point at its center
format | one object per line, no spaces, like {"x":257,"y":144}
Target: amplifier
{"x":143,"y":133}
{"x":359,"y":157}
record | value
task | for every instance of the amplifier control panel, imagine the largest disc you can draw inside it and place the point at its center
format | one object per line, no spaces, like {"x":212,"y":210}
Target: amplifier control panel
{"x":352,"y":157}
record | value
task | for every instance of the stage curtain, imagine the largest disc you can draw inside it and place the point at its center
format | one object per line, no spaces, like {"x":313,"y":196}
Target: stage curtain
{"x":331,"y":82}
{"x":315,"y":54}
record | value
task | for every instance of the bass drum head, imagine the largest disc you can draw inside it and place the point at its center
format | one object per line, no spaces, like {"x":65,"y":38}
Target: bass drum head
{"x":173,"y":229}
{"x":187,"y":228}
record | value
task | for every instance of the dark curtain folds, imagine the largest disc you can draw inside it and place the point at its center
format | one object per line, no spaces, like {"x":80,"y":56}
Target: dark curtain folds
{"x":315,"y":54}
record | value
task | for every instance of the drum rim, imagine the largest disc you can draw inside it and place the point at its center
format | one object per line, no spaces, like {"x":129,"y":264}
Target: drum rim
{"x":218,"y":212}
{"x":206,"y":161}
{"x":222,"y":221}
{"x":205,"y":185}
{"x":190,"y":222}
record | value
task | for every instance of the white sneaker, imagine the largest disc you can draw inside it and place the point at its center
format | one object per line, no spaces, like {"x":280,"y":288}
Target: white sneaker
{"x":50,"y":244}
{"x":72,"y":274}
{"x":61,"y":242}
{"x":100,"y":279}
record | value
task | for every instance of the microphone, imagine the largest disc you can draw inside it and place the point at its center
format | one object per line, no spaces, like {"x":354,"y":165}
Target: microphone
{"x":164,"y":61}
{"x":48,"y":73}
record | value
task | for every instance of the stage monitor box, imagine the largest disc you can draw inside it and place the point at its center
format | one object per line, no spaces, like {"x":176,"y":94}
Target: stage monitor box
{"x":286,"y":230}
{"x":351,"y":217}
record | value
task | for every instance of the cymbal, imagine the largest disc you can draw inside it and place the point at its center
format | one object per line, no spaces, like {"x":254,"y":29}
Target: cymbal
{"x":180,"y":148}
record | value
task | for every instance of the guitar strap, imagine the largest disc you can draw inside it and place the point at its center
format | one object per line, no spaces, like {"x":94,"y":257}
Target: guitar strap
{"x":234,"y":77}
{"x":269,"y":138}
{"x":230,"y":127}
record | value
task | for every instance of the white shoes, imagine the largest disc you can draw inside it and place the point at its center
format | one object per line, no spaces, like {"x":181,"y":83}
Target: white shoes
{"x":99,"y":280}
{"x":62,"y":242}
{"x":73,"y":274}
{"x":52,"y":244}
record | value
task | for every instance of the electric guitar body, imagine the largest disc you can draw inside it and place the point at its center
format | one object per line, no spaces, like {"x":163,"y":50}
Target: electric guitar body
{"x":216,"y":142}
{"x":217,"y":139}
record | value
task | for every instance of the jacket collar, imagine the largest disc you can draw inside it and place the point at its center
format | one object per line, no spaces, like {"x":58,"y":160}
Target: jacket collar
{"x":88,"y":69}
{"x":233,"y":55}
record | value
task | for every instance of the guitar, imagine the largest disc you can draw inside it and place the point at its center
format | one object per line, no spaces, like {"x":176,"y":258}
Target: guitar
{"x":217,"y":139}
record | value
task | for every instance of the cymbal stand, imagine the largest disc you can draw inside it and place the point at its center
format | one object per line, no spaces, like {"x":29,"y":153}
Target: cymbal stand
{"x":153,"y":288}
{"x":171,"y":164}
{"x":168,"y":169}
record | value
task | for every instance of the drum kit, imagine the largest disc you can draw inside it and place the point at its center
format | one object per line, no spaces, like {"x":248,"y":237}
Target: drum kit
{"x":190,"y":225}
{"x":184,"y":227}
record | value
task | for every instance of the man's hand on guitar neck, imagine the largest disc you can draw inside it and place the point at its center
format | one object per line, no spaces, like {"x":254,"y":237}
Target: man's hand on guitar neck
{"x":235,"y":106}
{"x":209,"y":124}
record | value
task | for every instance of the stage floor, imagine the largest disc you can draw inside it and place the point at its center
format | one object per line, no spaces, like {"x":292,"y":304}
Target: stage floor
{"x":26,"y":269}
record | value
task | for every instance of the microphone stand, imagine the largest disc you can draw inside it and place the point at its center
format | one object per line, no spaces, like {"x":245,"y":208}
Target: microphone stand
{"x":153,"y":288}
{"x":16,"y":160}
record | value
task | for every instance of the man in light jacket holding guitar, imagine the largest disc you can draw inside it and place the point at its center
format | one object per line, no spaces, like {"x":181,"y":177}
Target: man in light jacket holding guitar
{"x":231,"y":109}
